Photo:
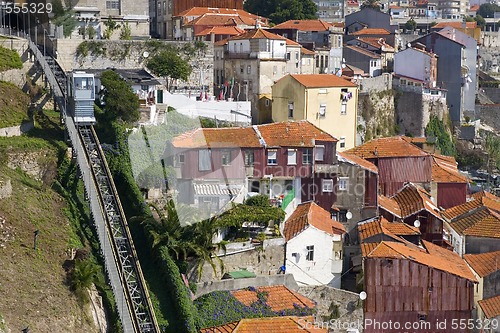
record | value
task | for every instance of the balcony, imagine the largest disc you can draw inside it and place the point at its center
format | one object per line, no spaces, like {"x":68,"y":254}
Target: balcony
{"x":326,"y":168}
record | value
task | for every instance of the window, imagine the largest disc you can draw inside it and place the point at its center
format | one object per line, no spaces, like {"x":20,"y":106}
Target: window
{"x":204,"y":163}
{"x":272,"y":157}
{"x":249,"y":69}
{"x":343,"y":108}
{"x":226,"y":157}
{"x":307,"y":156}
{"x":290,"y":109}
{"x":310,"y":253}
{"x":268,"y":102}
{"x":241,"y":69}
{"x":115,"y":4}
{"x":342,"y":142}
{"x":327,"y":185}
{"x":320,"y":153}
{"x":292,"y":156}
{"x":288,"y":56}
{"x":249,"y":158}
{"x":296,"y":55}
{"x":343,"y":183}
{"x":342,"y":215}
{"x":322,"y":110}
{"x":181,"y":158}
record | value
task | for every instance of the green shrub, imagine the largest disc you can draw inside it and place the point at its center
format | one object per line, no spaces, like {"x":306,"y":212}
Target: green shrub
{"x":9,"y":59}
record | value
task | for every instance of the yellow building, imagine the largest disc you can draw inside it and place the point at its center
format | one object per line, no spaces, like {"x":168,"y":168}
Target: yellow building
{"x":325,"y":100}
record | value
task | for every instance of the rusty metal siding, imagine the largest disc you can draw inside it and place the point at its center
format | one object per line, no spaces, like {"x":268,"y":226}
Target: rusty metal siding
{"x":400,"y":290}
{"x":370,"y":189}
{"x":394,"y":172}
{"x":451,"y":194}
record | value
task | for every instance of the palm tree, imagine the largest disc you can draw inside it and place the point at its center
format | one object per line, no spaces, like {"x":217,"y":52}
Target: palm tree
{"x":82,"y":278}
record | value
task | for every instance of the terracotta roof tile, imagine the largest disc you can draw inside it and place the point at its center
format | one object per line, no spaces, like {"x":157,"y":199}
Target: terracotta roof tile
{"x":484,"y":263}
{"x":218,"y":137}
{"x":456,"y":25}
{"x":377,"y":42}
{"x":445,"y":170}
{"x":390,"y":205}
{"x":371,"y":31}
{"x":227,"y":328}
{"x":199,"y":11}
{"x":258,"y":34}
{"x":490,"y":307}
{"x":367,"y":248}
{"x":482,"y":222}
{"x":304,"y":25}
{"x":224,"y":30}
{"x":478,"y":200}
{"x":482,"y":194}
{"x":293,"y":134}
{"x":309,"y":213}
{"x":278,"y":298}
{"x":268,"y":325}
{"x":434,"y":256}
{"x":454,"y":212}
{"x":380,"y":225}
{"x":474,"y":8}
{"x":353,"y":159}
{"x":322,"y":80}
{"x":306,"y":51}
{"x":394,"y":146}
{"x":363,"y":51}
{"x":412,"y":199}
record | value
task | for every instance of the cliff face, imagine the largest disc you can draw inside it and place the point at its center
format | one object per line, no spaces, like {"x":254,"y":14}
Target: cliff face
{"x":376,"y":115}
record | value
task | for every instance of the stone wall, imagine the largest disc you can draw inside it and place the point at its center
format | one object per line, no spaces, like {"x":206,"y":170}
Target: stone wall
{"x":376,"y":84}
{"x":128,"y":55}
{"x":5,"y":188}
{"x":234,"y":284}
{"x":376,"y":115}
{"x":488,"y":114}
{"x":261,"y":260}
{"x":413,"y":112}
{"x":18,"y":76}
{"x":17,"y":130}
{"x":33,"y":163}
{"x":335,"y":306}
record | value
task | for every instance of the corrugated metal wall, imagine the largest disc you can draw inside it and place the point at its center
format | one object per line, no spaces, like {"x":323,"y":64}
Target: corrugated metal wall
{"x":394,"y":172}
{"x":451,"y":194}
{"x":403,"y":290}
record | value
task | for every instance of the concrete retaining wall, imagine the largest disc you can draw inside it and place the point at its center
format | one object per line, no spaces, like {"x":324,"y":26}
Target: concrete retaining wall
{"x":17,"y":130}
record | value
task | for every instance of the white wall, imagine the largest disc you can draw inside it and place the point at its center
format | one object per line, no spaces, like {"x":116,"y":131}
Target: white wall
{"x":239,"y":46}
{"x":411,"y":63}
{"x":318,"y":271}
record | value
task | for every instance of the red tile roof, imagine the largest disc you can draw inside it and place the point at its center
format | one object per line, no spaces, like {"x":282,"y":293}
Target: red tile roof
{"x":456,"y":25}
{"x":434,"y":256}
{"x":390,"y":205}
{"x":478,"y":200}
{"x":412,"y":199}
{"x":292,"y":134}
{"x":474,"y":8}
{"x":268,"y":325}
{"x":394,"y":146}
{"x":283,"y":134}
{"x":321,"y":80}
{"x":218,"y":137}
{"x":199,"y":11}
{"x":353,"y":159}
{"x":377,"y":42}
{"x":380,"y":226}
{"x":305,"y":25}
{"x":490,"y":307}
{"x":224,"y":30}
{"x":445,"y":170}
{"x":258,"y":34}
{"x":483,"y":222}
{"x":371,"y":31}
{"x":278,"y":298}
{"x":306,"y":51}
{"x":484,"y":263}
{"x":310,"y":214}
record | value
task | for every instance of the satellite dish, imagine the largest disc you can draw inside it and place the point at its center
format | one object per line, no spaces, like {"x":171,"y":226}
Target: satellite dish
{"x":416,"y":224}
{"x":408,"y":45}
{"x":348,"y":215}
{"x":145,"y":54}
{"x":321,"y":111}
{"x":343,"y":65}
{"x":362,"y":295}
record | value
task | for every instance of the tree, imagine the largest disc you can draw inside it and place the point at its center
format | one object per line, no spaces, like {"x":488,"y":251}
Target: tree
{"x":373,"y":4}
{"x":111,"y":26}
{"x":170,"y":65}
{"x":282,"y":10}
{"x":488,"y":10}
{"x":82,"y":278}
{"x":126,"y":32}
{"x":481,"y":22}
{"x":469,"y":18}
{"x":119,"y":99}
{"x":67,"y":21}
{"x":410,"y":25}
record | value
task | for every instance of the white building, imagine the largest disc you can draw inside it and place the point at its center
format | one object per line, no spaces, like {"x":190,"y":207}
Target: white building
{"x":313,"y":246}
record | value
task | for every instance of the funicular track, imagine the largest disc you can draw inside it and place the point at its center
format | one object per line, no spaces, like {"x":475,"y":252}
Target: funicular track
{"x":122,"y":265}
